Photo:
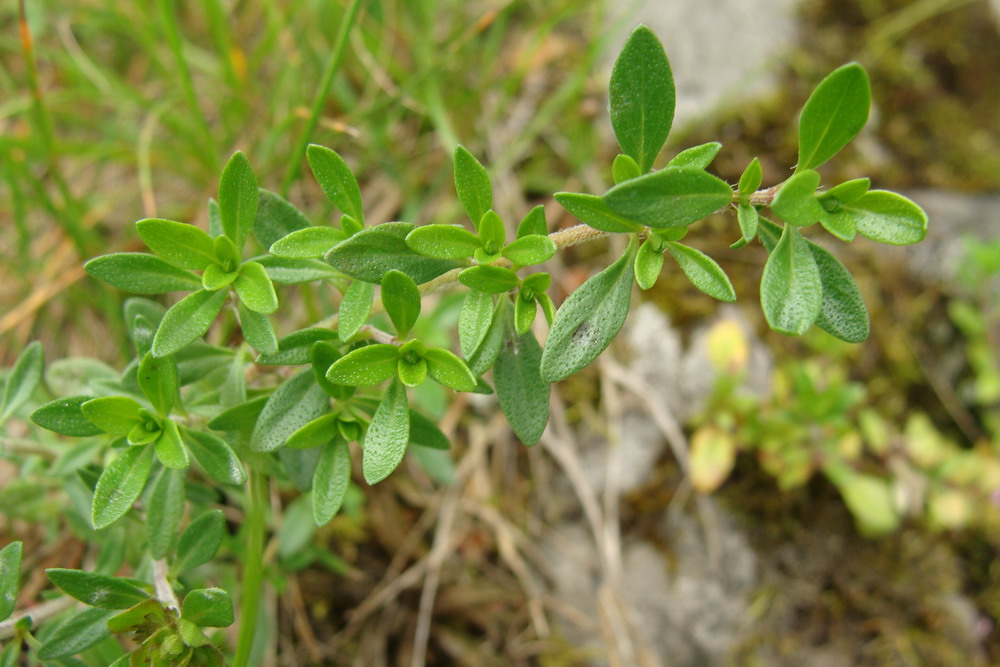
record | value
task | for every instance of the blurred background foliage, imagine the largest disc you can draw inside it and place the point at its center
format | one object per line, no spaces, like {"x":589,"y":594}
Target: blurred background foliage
{"x":876,"y":465}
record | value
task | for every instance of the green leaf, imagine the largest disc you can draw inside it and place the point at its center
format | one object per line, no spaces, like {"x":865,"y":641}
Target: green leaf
{"x":525,"y":309}
{"x":21,"y":381}
{"x":698,"y":157}
{"x":847,"y":192}
{"x":833,"y":115}
{"x":255,"y":289}
{"x":208,"y":608}
{"x":642,"y":97}
{"x":492,"y":232}
{"x":276,"y":218}
{"x":751,"y":178}
{"x":258,"y":330}
{"x":589,"y":319}
{"x":215,"y":277}
{"x":199,"y":542}
{"x":648,"y":264}
{"x":443,"y":241}
{"x":295,"y":349}
{"x":842,"y":313}
{"x":140,"y":273}
{"x":330,"y":481}
{"x":317,"y":432}
{"x":215,"y":456}
{"x":791,"y":292}
{"x":77,"y":633}
{"x":370,"y":253}
{"x":747,"y":217}
{"x":10,"y":577}
{"x":703,"y":272}
{"x":531,"y":249}
{"x":324,"y":355}
{"x":523,"y":395}
{"x":157,"y":379}
{"x":295,"y":402}
{"x":796,"y":202}
{"x":336,"y":179}
{"x":472,"y":184}
{"x":671,"y":197}
{"x":308,"y":242}
{"x":533,"y":223}
{"x":355,"y":308}
{"x":372,"y":364}
{"x":624,"y":168}
{"x":65,"y":416}
{"x":164,"y":511}
{"x":238,"y":195}
{"x":187,"y":320}
{"x":411,"y":373}
{"x":120,"y":485}
{"x":241,"y":417}
{"x":887,"y":217}
{"x":401,"y":300}
{"x":113,"y":414}
{"x":226,"y":253}
{"x":485,"y":355}
{"x":425,"y":433}
{"x":97,"y":590}
{"x":474,"y":321}
{"x":170,"y":449}
{"x":594,"y":212}
{"x":387,"y":436}
{"x":183,"y":245}
{"x":292,"y":271}
{"x":449,"y":370}
{"x":841,"y":224}
{"x":489,"y":279}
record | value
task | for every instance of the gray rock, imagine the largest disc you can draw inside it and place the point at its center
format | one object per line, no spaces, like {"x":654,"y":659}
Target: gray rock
{"x":953,"y":218}
{"x":720,"y":50}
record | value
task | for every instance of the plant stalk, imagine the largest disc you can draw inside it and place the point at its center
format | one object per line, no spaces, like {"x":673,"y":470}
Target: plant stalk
{"x":350,"y":17}
{"x":253,"y":568}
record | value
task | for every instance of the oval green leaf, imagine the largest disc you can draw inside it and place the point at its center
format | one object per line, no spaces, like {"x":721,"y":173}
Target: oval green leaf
{"x":183,"y":245}
{"x":791,"y":292}
{"x":642,"y":97}
{"x":592,"y":211}
{"x":368,"y":365}
{"x":255,"y":289}
{"x":671,"y":197}
{"x":472,"y":184}
{"x":140,"y":273}
{"x":336,"y":179}
{"x":703,"y":272}
{"x":833,"y":115}
{"x":523,"y":395}
{"x":330,"y":481}
{"x":401,"y":300}
{"x":187,"y":320}
{"x":589,"y":319}
{"x":443,"y":241}
{"x":373,"y":251}
{"x":238,"y":196}
{"x":120,"y":485}
{"x":387,"y":436}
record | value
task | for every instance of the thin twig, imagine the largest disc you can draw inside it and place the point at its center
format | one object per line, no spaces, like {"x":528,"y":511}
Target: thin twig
{"x":164,"y":591}
{"x":38,"y":614}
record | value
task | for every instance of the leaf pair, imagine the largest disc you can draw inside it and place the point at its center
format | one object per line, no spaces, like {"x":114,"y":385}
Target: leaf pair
{"x":703,"y":272}
{"x":804,"y":284}
{"x":411,"y":362}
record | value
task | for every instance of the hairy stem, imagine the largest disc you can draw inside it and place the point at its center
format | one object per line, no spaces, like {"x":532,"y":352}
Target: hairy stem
{"x":38,"y":614}
{"x":253,"y":565}
{"x":164,"y":591}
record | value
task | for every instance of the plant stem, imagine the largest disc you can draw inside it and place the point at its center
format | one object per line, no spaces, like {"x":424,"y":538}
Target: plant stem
{"x":350,"y":16}
{"x":164,"y":591}
{"x":253,"y":565}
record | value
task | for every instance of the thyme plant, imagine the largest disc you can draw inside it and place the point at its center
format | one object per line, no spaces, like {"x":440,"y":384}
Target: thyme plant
{"x":186,"y":414}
